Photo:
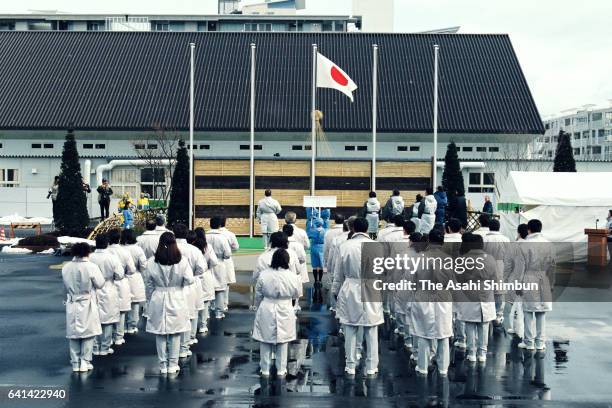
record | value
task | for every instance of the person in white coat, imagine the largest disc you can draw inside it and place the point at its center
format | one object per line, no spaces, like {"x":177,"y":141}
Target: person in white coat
{"x":149,"y":239}
{"x":452,"y":244}
{"x":371,"y":210}
{"x":298,"y":233}
{"x":192,"y":292}
{"x":393,"y":231}
{"x":229,"y":263}
{"x":220,"y":245}
{"x":335,"y":230}
{"x":352,"y":312}
{"x":475,"y":308}
{"x":108,"y":296}
{"x":81,"y":279}
{"x":275,"y":321}
{"x":267,"y":210}
{"x":167,"y":273}
{"x":208,"y":279}
{"x":539,"y":267}
{"x":128,"y":241}
{"x":431,"y":313}
{"x":331,"y":259}
{"x":277,"y":240}
{"x":483,"y":230}
{"x":299,"y":251}
{"x":497,"y":244}
{"x":394,"y":206}
{"x":125,"y":291}
{"x":513,"y":310}
{"x":428,"y":217}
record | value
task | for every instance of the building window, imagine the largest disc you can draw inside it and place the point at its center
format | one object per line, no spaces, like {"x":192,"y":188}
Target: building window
{"x":577,"y":151}
{"x":596,"y":150}
{"x":195,"y":147}
{"x":481,"y":149}
{"x":585,"y":134}
{"x":597,"y":116}
{"x":88,"y":146}
{"x":402,"y":148}
{"x":467,"y":148}
{"x":248,"y":147}
{"x":327,"y":26}
{"x":601,"y":132}
{"x":204,"y":147}
{"x":481,"y":183}
{"x":7,"y":26}
{"x":582,"y":119}
{"x":153,"y":181}
{"x":161,"y":26}
{"x":48,"y":145}
{"x":296,"y":147}
{"x":139,"y":146}
{"x":100,"y":146}
{"x":349,"y":148}
{"x":152,"y":146}
{"x":568,"y":121}
{"x":415,"y":148}
{"x":258,"y":27}
{"x":307,"y":147}
{"x":36,"y":146}
{"x":577,"y":135}
{"x":494,"y":149}
{"x":547,"y":126}
{"x":94,"y":26}
{"x":362,"y":148}
{"x":1,"y":146}
{"x":9,"y":177}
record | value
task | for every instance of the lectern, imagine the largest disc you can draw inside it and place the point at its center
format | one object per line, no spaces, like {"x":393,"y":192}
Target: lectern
{"x":597,"y":254}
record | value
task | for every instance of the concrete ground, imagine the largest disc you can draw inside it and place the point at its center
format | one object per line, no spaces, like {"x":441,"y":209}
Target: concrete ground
{"x":575,"y":370}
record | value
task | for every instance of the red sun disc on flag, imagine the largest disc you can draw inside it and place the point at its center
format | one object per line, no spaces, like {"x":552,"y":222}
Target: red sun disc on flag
{"x":339,"y":76}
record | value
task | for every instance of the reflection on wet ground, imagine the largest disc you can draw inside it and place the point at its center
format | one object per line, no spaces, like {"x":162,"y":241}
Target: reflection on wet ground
{"x":223,"y":370}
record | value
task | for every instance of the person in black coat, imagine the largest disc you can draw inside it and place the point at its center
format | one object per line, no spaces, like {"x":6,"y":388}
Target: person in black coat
{"x":459,"y":209}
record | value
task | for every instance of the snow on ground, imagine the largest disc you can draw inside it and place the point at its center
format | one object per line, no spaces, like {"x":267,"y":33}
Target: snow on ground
{"x":15,"y":218}
{"x":65,"y":240}
{"x":11,"y":250}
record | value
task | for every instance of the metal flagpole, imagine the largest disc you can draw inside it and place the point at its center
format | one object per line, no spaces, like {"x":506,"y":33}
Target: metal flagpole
{"x":435,"y":118}
{"x":252,"y":146}
{"x":374,"y":110}
{"x":313,"y":130}
{"x":191,"y":122}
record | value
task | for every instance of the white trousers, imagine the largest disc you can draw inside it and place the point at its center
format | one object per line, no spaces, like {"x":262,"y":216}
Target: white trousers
{"x":203,"y":315}
{"x":537,"y":333}
{"x":477,"y":338}
{"x":119,"y":328}
{"x":133,"y":316}
{"x":168,"y":346}
{"x":220,"y":301}
{"x":105,"y":340}
{"x":442,"y":350}
{"x":80,"y":350}
{"x":513,"y":317}
{"x":281,"y":350}
{"x":351,"y":341}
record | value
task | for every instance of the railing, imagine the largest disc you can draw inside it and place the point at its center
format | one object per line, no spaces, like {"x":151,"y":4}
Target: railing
{"x":116,"y":220}
{"x":472,"y":219}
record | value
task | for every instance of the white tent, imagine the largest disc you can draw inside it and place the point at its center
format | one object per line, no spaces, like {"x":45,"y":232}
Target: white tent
{"x":566,"y":203}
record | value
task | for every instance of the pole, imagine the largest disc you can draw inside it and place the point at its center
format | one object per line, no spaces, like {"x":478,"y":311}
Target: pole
{"x":191,"y":122}
{"x":435,"y":119}
{"x":252,"y":147}
{"x":374,"y":110}
{"x":313,"y":122}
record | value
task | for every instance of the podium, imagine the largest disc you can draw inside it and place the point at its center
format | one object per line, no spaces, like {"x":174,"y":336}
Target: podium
{"x":597,"y":246}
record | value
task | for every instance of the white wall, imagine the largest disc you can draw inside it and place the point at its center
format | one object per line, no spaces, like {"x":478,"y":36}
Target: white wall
{"x":25,"y":201}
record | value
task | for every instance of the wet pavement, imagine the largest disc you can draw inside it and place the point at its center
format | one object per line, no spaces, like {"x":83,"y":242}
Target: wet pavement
{"x":575,"y":369}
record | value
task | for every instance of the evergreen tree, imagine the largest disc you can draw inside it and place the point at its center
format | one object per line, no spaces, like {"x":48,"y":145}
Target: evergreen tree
{"x":564,"y":156}
{"x":178,"y":210}
{"x":452,"y":178}
{"x":71,"y":214}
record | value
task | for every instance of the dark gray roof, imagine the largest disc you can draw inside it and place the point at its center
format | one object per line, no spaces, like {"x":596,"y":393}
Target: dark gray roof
{"x":139,"y":80}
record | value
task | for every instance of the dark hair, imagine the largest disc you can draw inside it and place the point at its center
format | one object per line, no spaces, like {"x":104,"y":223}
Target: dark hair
{"x":439,"y":228}
{"x":128,"y":237}
{"x":288,"y":229}
{"x":470,"y":241}
{"x":223,"y":221}
{"x":494,"y":225}
{"x":484,"y":219}
{"x":398,"y":220}
{"x":419,"y":197}
{"x":160,"y":220}
{"x":372,"y":194}
{"x":200,"y":244}
{"x":338,"y":218}
{"x":280,"y":259}
{"x":350,"y":222}
{"x":200,"y":232}
{"x":180,"y":230}
{"x":522,"y":230}
{"x":114,"y":236}
{"x":418,"y":240}
{"x":440,"y":188}
{"x":395,"y":193}
{"x":101,"y":241}
{"x":436,"y":236}
{"x":268,"y":193}
{"x":80,"y":250}
{"x":279,"y":240}
{"x":453,"y":225}
{"x":429,"y":191}
{"x":360,"y":225}
{"x":191,"y":236}
{"x":167,"y":252}
{"x":215,"y":222}
{"x":534,"y":226}
{"x":409,"y":227}
{"x":150,"y":226}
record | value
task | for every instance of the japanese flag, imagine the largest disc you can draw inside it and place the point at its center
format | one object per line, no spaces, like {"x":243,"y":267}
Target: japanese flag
{"x":329,"y":75}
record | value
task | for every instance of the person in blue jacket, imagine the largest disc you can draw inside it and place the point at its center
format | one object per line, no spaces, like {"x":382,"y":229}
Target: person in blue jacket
{"x":317,"y":239}
{"x":442,"y":201}
{"x":128,"y":216}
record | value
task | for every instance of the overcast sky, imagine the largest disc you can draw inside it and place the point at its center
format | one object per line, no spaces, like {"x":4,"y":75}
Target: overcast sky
{"x":565,"y":50}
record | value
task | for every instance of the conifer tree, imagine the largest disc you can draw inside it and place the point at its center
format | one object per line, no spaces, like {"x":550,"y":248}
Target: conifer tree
{"x":564,"y":156}
{"x":178,"y":210}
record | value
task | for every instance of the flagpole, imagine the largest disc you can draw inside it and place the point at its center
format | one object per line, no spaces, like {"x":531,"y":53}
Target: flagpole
{"x":252,"y":146}
{"x":435,"y":118}
{"x":313,"y":123}
{"x":191,"y":124}
{"x":374,"y":110}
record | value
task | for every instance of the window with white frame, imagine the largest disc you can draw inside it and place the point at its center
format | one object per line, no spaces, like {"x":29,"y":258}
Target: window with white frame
{"x":9,"y":178}
{"x":153,"y":181}
{"x":480,"y":182}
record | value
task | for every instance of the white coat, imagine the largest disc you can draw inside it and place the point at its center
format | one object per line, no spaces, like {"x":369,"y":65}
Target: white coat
{"x":331,"y":233}
{"x":497,"y":244}
{"x":265,"y":260}
{"x":148,"y":241}
{"x":372,"y":214}
{"x":347,"y":286}
{"x":275,"y":321}
{"x":81,"y":279}
{"x":197,"y":263}
{"x":428,"y":219}
{"x":403,"y":299}
{"x":301,"y":236}
{"x":392,"y":234}
{"x":136,"y":281}
{"x":167,"y":308}
{"x":539,"y":267}
{"x":208,"y":279}
{"x":397,"y":205}
{"x":108,"y":295}
{"x":333,"y":252}
{"x":267,"y":209}
{"x":123,"y":286}
{"x":297,"y":247}
{"x":482,"y":231}
{"x":452,"y":237}
{"x":219,"y":243}
{"x":230,"y":269}
{"x":467,"y":309}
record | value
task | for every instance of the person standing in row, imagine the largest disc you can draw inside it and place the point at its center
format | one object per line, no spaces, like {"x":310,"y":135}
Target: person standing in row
{"x":123,"y":286}
{"x":334,"y":231}
{"x":167,"y":273}
{"x":81,"y":279}
{"x":497,"y":245}
{"x":275,"y":321}
{"x":267,"y":210}
{"x":128,"y":241}
{"x":393,"y":231}
{"x":317,"y":240}
{"x":108,"y":295}
{"x":298,"y":249}
{"x":149,"y":239}
{"x":299,"y":234}
{"x":394,"y":206}
{"x":229,"y":263}
{"x":105,"y":192}
{"x":442,"y":203}
{"x":427,"y":212}
{"x":371,"y":211}
{"x":220,"y":244}
{"x":208,"y":280}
